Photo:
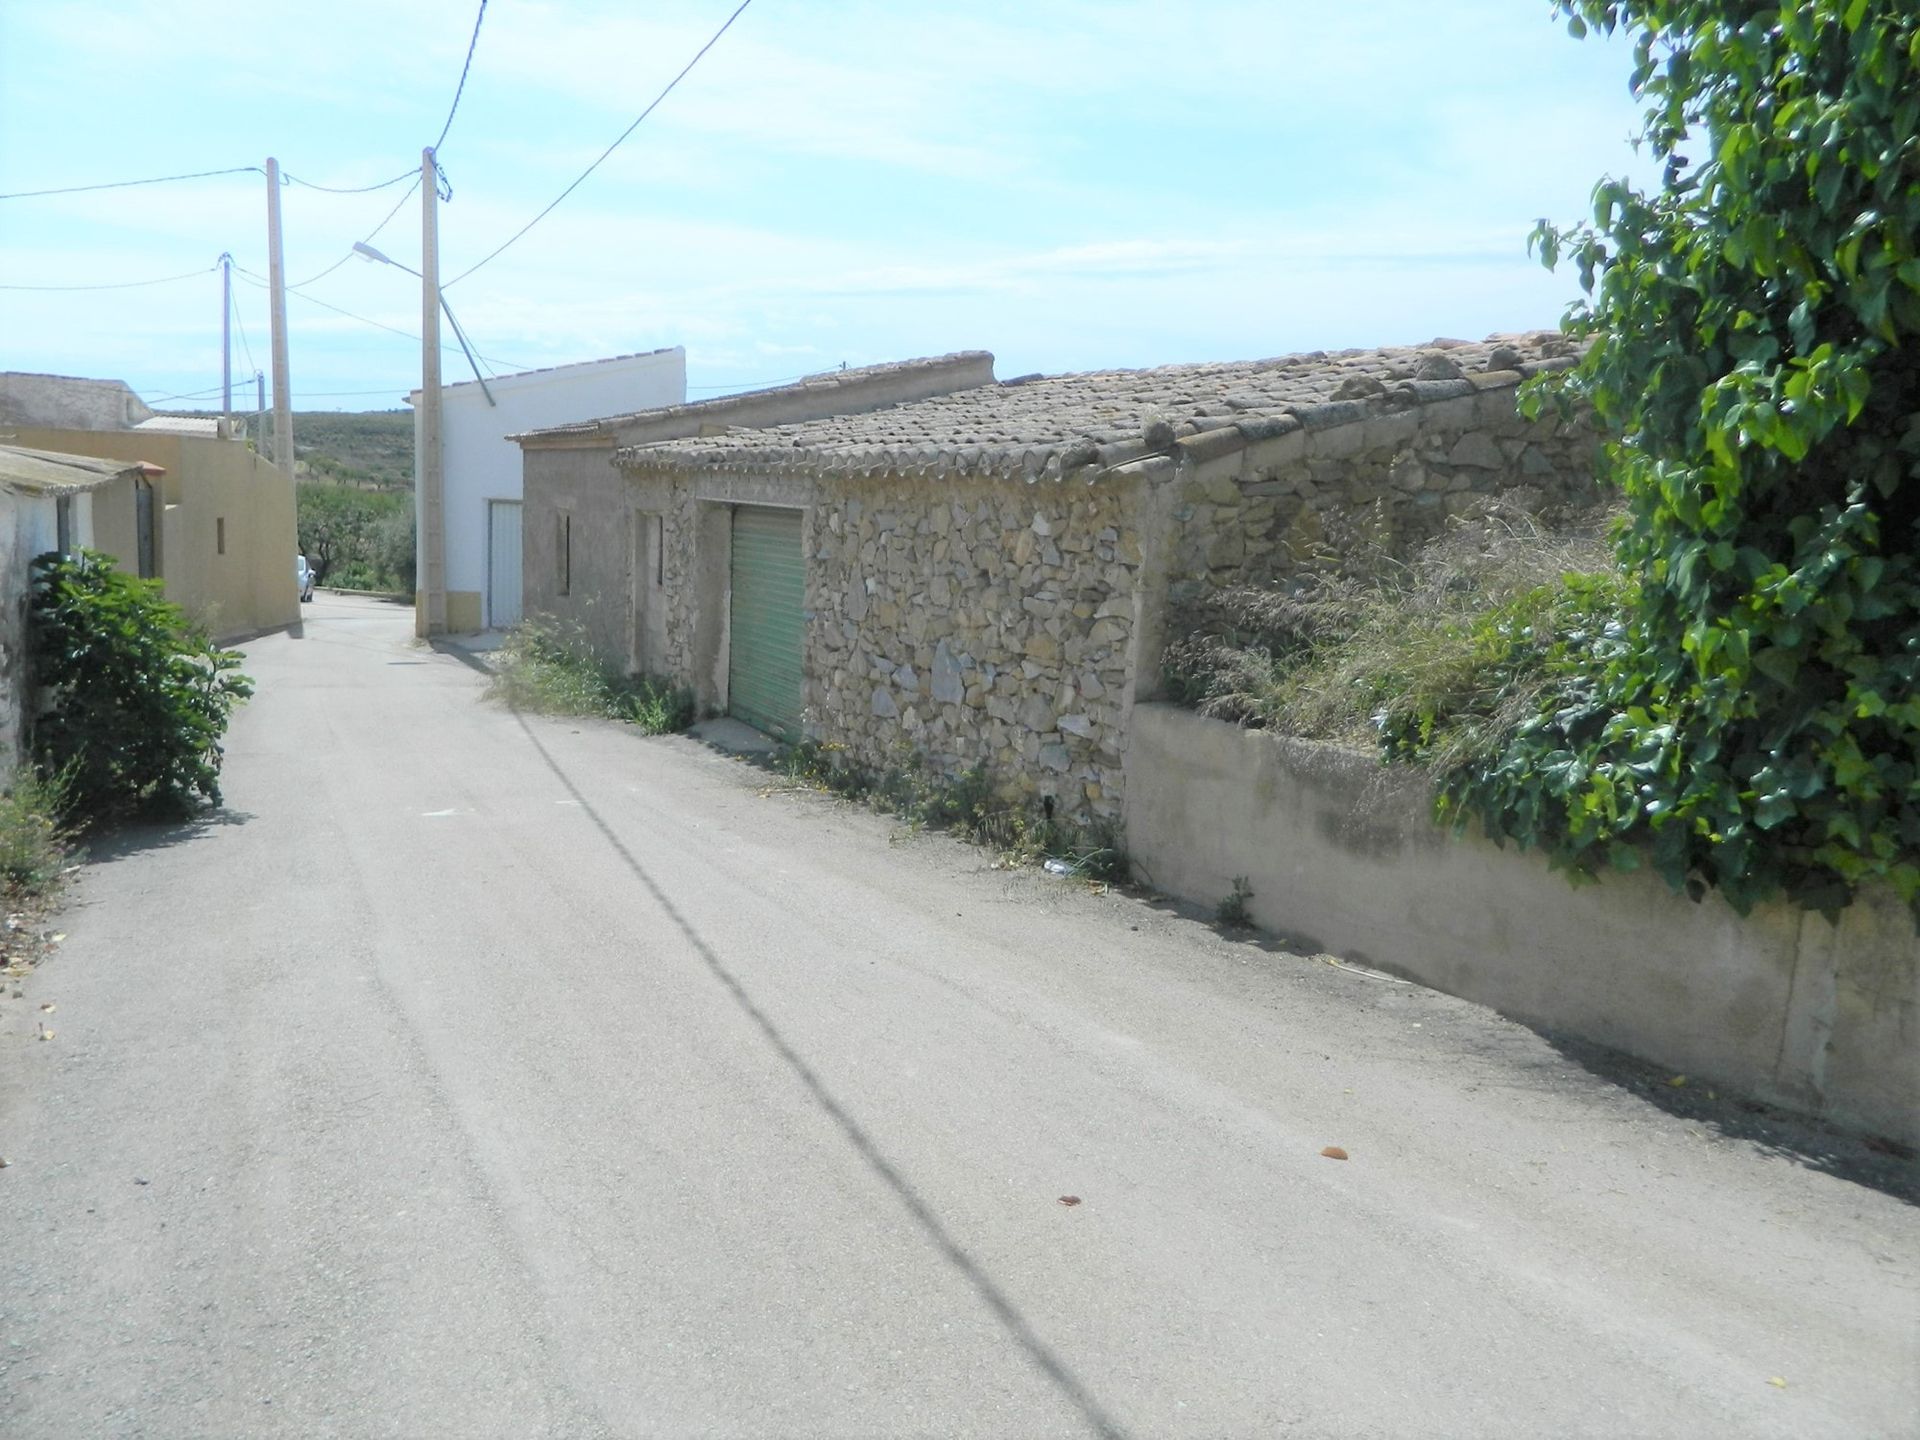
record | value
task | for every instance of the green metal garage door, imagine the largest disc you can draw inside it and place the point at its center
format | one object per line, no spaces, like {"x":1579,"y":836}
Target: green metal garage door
{"x":767,"y":619}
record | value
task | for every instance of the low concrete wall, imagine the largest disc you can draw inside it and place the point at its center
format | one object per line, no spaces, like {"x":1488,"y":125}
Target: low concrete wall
{"x":1342,"y":857}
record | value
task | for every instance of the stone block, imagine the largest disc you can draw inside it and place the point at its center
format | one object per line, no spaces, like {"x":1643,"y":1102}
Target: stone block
{"x":1478,"y":451}
{"x":883,"y":704}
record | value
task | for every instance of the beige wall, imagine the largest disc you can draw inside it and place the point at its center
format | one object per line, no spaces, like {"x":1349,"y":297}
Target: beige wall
{"x":1342,"y":858}
{"x":243,"y":587}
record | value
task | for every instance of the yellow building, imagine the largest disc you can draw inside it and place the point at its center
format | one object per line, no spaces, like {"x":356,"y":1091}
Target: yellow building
{"x":215,"y":524}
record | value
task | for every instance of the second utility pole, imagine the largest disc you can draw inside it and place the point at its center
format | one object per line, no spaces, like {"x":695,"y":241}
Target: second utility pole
{"x":430,"y":618}
{"x":277,"y":309}
{"x":226,"y":343}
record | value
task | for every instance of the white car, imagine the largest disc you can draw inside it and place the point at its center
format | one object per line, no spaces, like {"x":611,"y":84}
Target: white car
{"x":303,"y":577}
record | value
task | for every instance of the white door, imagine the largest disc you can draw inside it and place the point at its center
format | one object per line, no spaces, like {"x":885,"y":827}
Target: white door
{"x":503,"y":563}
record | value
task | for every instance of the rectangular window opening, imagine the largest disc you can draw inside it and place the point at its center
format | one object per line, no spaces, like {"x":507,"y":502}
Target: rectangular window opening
{"x":220,"y":535}
{"x":564,"y":546}
{"x":659,"y":551}
{"x":63,"y":524}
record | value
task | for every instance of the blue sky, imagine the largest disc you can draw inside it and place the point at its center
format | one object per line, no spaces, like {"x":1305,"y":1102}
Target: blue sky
{"x":1070,"y":185}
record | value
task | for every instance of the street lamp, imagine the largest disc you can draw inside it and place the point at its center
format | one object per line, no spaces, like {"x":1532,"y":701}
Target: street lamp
{"x":367,"y":251}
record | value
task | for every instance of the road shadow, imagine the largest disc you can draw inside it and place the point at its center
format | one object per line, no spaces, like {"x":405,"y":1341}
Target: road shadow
{"x":1016,"y":1325}
{"x":123,"y":841}
{"x":1872,"y":1161}
{"x":1868,"y":1160}
{"x":459,"y":652}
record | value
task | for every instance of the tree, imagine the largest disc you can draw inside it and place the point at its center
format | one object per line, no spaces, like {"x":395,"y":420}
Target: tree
{"x":1754,"y":720}
{"x":353,"y":537}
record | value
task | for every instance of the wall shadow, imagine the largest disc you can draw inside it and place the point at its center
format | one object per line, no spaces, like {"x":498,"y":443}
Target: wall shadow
{"x":1868,"y":1160}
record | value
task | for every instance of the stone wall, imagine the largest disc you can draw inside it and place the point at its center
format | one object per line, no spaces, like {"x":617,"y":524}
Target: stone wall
{"x":983,"y":622}
{"x":1370,"y":474}
{"x":978,"y":622}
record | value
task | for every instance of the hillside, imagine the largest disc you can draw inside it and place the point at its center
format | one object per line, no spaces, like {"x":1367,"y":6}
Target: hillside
{"x":369,"y":448}
{"x":372,"y":448}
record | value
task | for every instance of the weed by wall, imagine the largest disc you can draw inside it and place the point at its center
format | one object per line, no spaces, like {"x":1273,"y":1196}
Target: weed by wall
{"x":963,"y":802}
{"x":546,"y":665}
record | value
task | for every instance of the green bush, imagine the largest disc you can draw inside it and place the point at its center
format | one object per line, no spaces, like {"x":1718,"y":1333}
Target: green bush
{"x":546,"y":665}
{"x":1755,"y":358}
{"x":134,"y":696}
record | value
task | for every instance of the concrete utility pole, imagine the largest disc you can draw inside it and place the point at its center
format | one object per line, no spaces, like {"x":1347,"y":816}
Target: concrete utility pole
{"x":226,"y":342}
{"x":277,"y":291}
{"x":429,"y":487}
{"x":260,"y":416}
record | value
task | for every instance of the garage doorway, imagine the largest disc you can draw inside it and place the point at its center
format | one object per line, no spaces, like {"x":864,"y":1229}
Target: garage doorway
{"x":503,"y":563}
{"x":766,"y":619}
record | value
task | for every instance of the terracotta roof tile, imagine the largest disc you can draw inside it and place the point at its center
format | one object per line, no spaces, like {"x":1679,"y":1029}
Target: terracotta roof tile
{"x":1055,"y":423}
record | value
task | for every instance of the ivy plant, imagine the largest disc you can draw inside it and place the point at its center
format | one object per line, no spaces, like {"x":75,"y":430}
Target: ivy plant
{"x":1752,"y":720}
{"x":134,"y":695}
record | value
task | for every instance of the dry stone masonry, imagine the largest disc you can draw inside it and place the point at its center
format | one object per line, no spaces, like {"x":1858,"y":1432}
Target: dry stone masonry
{"x":989,"y":570}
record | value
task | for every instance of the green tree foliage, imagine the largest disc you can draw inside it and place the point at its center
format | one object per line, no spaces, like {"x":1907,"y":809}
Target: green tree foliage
{"x":354,"y":538}
{"x":135,"y":695}
{"x":1751,"y":719}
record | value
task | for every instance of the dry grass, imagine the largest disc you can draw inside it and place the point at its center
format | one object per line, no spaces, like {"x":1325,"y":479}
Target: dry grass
{"x":1341,"y":658}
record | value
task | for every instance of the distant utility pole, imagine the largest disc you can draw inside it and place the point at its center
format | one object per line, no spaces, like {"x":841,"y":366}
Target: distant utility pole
{"x":429,"y":488}
{"x":226,"y":341}
{"x":277,"y":293}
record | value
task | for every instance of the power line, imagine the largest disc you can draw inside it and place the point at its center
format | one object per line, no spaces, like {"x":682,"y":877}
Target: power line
{"x":753,"y":384}
{"x":241,"y":326}
{"x":460,"y":89}
{"x":608,"y":151}
{"x":128,"y":184}
{"x":345,"y":190}
{"x":122,"y":285}
{"x":261,"y":283}
{"x":332,"y":394}
{"x":189,"y":395}
{"x":365,"y":239}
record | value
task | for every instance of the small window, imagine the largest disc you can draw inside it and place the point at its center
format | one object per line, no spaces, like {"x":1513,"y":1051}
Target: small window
{"x":563,"y":556}
{"x":659,"y":551}
{"x":63,"y":524}
{"x":220,"y":535}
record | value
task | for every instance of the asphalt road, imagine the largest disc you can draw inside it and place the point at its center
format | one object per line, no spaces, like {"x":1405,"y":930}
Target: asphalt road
{"x":484,"y":1075}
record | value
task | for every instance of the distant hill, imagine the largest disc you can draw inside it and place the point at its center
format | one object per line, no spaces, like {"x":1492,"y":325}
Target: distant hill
{"x":369,"y":448}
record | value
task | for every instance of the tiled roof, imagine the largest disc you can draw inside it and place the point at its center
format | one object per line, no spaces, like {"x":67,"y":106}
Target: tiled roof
{"x":50,"y":472}
{"x":1051,"y":425}
{"x":207,"y":426}
{"x":825,"y":387}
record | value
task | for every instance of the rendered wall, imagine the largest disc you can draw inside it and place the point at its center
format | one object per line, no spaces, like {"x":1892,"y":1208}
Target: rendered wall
{"x":1342,"y":857}
{"x":482,"y":465}
{"x":245,"y":588}
{"x":29,"y":526}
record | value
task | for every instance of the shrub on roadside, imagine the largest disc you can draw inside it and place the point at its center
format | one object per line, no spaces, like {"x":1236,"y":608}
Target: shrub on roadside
{"x":134,"y":695}
{"x":546,"y":665}
{"x":33,"y":840}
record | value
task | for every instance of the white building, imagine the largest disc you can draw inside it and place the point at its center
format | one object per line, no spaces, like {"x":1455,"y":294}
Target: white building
{"x":483,"y":467}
